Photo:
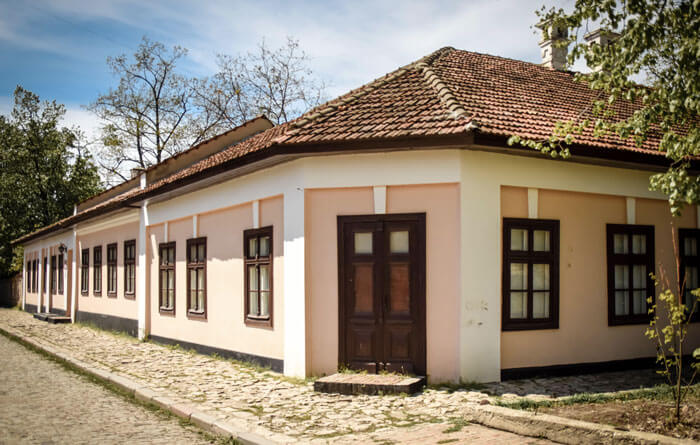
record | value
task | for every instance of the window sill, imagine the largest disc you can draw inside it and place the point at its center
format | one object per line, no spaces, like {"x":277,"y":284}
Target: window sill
{"x":192,"y":315}
{"x":258,"y":321}
{"x":130,"y":296}
{"x":644,"y":319}
{"x":111,"y":295}
{"x":529,"y":325}
{"x":96,"y":293}
{"x":166,"y":311}
{"x":84,"y":293}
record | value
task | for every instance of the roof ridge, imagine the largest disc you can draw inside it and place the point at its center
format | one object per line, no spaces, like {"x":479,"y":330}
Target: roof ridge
{"x":331,"y":106}
{"x":444,"y":93}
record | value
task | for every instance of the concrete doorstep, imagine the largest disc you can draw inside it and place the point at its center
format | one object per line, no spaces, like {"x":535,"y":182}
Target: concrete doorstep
{"x":521,"y":422}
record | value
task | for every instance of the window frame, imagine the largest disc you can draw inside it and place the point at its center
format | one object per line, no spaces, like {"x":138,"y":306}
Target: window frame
{"x":169,"y":267}
{"x":28,"y":276}
{"x":60,"y":267}
{"x":268,"y":261}
{"x":84,"y":271}
{"x":530,"y":257}
{"x":129,"y":263}
{"x":688,"y":260}
{"x":112,"y":265}
{"x":35,"y":275}
{"x":97,"y":271}
{"x":44,"y":278}
{"x":192,"y":314}
{"x":53,"y":279}
{"x":613,"y":259}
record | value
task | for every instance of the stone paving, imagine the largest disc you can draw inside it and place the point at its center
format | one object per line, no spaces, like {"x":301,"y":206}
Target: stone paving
{"x":43,"y":403}
{"x":283,"y":409}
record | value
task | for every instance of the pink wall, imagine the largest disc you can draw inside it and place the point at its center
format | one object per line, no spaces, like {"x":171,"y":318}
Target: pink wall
{"x":583,"y":334}
{"x":57,"y":300}
{"x":224,"y":326}
{"x":441,"y":204}
{"x":118,"y":306}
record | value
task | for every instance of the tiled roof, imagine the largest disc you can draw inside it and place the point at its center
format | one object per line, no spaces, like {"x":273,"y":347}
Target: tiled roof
{"x":449,"y":92}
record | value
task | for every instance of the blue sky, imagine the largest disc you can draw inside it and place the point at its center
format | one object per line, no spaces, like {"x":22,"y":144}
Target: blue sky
{"x":57,"y":49}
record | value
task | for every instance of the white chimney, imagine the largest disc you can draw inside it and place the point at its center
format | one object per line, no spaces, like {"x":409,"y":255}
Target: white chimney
{"x":554,"y":48}
{"x":600,"y":37}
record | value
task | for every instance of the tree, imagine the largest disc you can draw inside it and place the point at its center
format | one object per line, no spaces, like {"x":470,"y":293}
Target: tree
{"x":275,"y":82}
{"x":43,"y":172}
{"x":156,"y":112}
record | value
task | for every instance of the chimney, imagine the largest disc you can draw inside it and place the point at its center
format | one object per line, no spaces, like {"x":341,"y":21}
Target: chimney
{"x":136,"y":172}
{"x":600,"y":37}
{"x":554,"y":48}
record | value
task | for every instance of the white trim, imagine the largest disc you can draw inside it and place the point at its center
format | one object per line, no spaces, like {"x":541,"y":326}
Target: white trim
{"x":256,"y":214}
{"x":40,"y":283}
{"x":532,"y":203}
{"x":294,"y":284}
{"x":631,"y":205}
{"x":73,"y":274}
{"x":165,"y":232}
{"x":141,"y":269}
{"x":130,"y":216}
{"x":65,"y":277}
{"x":379,"y":199}
{"x":24,"y":278}
{"x":195,"y":229}
{"x":142,"y":181}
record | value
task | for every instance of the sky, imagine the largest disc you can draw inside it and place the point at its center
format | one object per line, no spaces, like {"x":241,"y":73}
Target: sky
{"x":57,"y":49}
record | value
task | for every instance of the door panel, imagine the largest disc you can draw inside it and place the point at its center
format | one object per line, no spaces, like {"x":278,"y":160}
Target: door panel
{"x":382,"y":292}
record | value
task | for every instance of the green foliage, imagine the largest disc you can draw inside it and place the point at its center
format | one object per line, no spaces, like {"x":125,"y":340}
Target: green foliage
{"x":659,"y":43}
{"x":44,"y":172}
{"x":668,"y":329}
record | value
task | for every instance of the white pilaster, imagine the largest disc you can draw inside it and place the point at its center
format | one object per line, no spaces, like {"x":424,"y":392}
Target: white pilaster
{"x":631,"y":210}
{"x":533,"y":203}
{"x":256,"y":214}
{"x":379,"y":199}
{"x":294,"y":286}
{"x":24,"y":278}
{"x":141,"y":266}
{"x":64,"y":272}
{"x":49,"y":271}
{"x":165,"y":232}
{"x":74,"y":275}
{"x":195,"y":229}
{"x":40,"y":284}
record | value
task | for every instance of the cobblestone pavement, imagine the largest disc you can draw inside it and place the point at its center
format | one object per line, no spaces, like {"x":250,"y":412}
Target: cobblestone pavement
{"x":282,"y":409}
{"x":43,"y":403}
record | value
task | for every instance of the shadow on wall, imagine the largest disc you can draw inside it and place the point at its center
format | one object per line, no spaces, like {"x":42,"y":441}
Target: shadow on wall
{"x":10,"y":291}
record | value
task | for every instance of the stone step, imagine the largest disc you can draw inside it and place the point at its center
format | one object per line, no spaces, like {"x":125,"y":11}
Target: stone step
{"x":369,"y":384}
{"x":52,"y":318}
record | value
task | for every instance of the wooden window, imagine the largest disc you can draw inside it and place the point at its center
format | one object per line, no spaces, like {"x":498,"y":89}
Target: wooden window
{"x":258,"y":275}
{"x":53,"y":278}
{"x":44,"y":279}
{"x":60,"y":274}
{"x":35,"y":275}
{"x":28,"y":276}
{"x":166,"y":278}
{"x":129,"y":268}
{"x":197,"y":278}
{"x":112,"y":270}
{"x":84,"y":276}
{"x":689,"y":240}
{"x":630,"y":250}
{"x":530,"y":274}
{"x":97,"y":270}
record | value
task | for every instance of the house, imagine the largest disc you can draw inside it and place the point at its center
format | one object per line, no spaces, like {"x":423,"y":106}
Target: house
{"x":392,"y":228}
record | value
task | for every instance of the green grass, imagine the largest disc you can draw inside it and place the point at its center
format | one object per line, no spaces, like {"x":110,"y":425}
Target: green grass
{"x":116,"y":333}
{"x":457,"y":425}
{"x":447,"y":441}
{"x":456,"y":386}
{"x":659,"y":392}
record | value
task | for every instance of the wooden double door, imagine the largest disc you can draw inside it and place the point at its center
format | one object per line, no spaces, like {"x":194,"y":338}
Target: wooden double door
{"x":381,"y":261}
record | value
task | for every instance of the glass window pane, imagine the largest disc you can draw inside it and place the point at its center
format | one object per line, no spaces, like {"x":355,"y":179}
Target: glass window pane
{"x":171,"y":255}
{"x":691,"y":278}
{"x":363,"y":243}
{"x":171,"y":279}
{"x":620,"y":243}
{"x":639,"y":302}
{"x":540,"y":277}
{"x":622,"y":277}
{"x":540,"y":240}
{"x":690,"y":246}
{"x":253,"y":303}
{"x":264,"y":245}
{"x":200,"y":280}
{"x":193,"y":280}
{"x":540,"y":304}
{"x":252,"y":278}
{"x":639,"y":276}
{"x":200,"y":300}
{"x":518,"y":304}
{"x":398,"y":241}
{"x":264,"y":304}
{"x":192,"y":256}
{"x":622,"y":302}
{"x":639,"y":244}
{"x":264,"y":277}
{"x":518,"y":276}
{"x":252,"y":247}
{"x":518,"y":239}
{"x":201,"y":257}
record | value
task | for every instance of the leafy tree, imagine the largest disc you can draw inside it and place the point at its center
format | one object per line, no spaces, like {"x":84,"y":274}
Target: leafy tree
{"x":43,"y":172}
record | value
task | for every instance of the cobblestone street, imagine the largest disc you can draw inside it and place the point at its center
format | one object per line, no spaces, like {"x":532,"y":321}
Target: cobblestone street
{"x":285,"y":410}
{"x":43,"y":403}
